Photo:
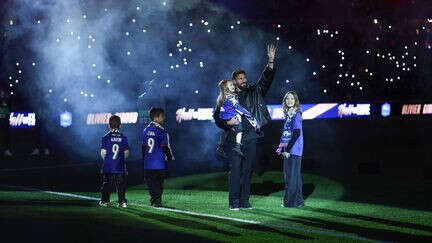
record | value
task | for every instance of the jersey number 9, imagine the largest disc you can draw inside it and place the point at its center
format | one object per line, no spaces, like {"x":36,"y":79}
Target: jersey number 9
{"x":151,"y":143}
{"x":115,"y":150}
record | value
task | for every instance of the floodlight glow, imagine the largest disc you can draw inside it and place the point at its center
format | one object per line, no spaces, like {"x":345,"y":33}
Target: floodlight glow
{"x":385,"y":110}
{"x":65,"y":118}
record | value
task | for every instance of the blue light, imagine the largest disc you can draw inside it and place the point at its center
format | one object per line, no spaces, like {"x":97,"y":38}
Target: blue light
{"x":66,"y":119}
{"x":385,"y":110}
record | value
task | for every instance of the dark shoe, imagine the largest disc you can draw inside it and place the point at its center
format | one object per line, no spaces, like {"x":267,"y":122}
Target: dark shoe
{"x":157,"y":205}
{"x":299,"y":206}
{"x":237,"y":149}
{"x":246,"y":206}
{"x":220,"y":151}
{"x":233,"y":208}
{"x":103,"y":204}
{"x":234,"y":205}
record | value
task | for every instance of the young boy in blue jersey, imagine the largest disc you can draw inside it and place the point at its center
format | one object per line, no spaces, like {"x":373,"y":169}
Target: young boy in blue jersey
{"x":114,"y":151}
{"x":156,"y":150}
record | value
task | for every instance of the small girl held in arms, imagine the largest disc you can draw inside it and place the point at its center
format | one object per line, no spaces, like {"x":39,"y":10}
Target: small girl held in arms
{"x":230,"y":107}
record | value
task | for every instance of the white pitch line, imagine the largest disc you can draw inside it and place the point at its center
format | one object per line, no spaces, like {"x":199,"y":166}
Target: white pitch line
{"x":286,"y":227}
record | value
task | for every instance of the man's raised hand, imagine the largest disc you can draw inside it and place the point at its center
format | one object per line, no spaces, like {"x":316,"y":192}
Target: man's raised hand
{"x":271,"y":52}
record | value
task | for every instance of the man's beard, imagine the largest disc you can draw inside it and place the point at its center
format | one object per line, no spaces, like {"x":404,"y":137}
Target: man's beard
{"x":243,"y":87}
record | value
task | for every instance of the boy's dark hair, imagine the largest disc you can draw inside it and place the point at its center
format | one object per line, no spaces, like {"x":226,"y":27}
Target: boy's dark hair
{"x":114,"y":122}
{"x":155,"y":112}
{"x":237,"y":72}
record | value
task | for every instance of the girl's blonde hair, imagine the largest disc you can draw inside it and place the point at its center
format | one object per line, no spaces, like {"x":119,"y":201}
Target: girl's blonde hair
{"x":296,"y":103}
{"x":223,"y":88}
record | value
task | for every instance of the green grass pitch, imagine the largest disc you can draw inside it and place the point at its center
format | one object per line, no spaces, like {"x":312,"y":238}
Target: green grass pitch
{"x":198,"y":212}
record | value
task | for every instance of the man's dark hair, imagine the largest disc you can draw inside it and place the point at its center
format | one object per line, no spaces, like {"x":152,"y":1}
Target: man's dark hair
{"x":114,"y":122}
{"x":155,"y":112}
{"x":237,"y":72}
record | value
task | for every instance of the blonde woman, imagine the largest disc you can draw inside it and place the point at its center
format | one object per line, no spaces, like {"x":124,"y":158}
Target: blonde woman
{"x":291,"y":148}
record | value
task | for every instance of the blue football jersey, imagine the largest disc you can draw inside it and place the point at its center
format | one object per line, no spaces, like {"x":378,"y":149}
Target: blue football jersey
{"x":155,"y":138}
{"x":115,"y":143}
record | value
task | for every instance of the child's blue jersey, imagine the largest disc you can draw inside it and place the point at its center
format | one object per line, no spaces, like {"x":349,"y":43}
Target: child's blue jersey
{"x":155,"y":138}
{"x":115,"y":143}
{"x":229,"y":110}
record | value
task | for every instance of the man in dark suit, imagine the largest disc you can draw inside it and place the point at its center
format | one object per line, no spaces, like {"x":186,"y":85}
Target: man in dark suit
{"x":252,"y":98}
